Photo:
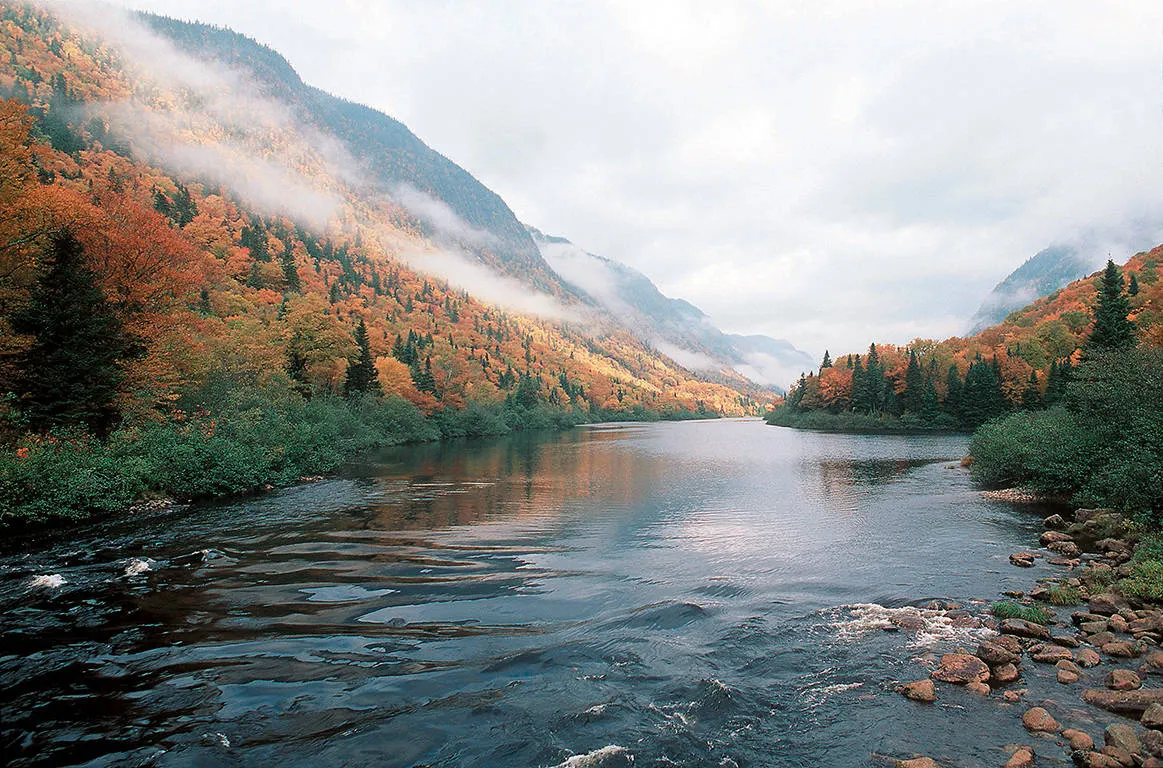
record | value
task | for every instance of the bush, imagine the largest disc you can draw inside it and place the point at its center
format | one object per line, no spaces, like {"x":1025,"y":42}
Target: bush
{"x":1007,"y":609}
{"x":1145,"y":581}
{"x":1063,"y":594}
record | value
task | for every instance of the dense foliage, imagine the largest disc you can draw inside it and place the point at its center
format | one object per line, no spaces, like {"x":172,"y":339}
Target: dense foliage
{"x":161,"y":332}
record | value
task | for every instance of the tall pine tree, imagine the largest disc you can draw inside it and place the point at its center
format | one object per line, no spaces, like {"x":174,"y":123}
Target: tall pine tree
{"x":70,"y":374}
{"x":361,"y":371}
{"x":1112,"y":329}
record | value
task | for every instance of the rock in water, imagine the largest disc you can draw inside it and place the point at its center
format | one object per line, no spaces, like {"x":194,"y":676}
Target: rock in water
{"x":1123,"y":680}
{"x":1039,"y":720}
{"x":1023,"y":757}
{"x":1023,"y":628}
{"x":921,"y":690}
{"x":1005,"y":674}
{"x":995,"y":655}
{"x":1122,"y":702}
{"x":961,"y":668}
{"x":919,"y":762}
{"x":1152,"y":716}
{"x":1079,"y":741}
{"x":1122,"y":736}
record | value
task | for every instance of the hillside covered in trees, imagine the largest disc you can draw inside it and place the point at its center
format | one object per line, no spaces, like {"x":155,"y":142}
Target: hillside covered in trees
{"x":1023,"y":363}
{"x":200,"y":295}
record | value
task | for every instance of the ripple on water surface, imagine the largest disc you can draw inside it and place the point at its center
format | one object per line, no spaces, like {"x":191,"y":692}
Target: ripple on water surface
{"x":697,"y":594}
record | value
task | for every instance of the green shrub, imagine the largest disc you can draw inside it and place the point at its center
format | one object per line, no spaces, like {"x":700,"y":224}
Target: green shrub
{"x":1007,"y":609}
{"x":1145,"y":581}
{"x":1063,"y":594}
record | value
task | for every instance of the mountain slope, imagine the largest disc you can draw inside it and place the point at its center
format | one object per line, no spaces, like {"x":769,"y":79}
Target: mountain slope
{"x":675,"y":327}
{"x":1040,"y":275}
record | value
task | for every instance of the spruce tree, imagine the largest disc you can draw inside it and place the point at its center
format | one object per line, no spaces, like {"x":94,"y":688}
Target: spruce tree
{"x":1112,"y":329}
{"x":1133,"y":287}
{"x":361,"y":371}
{"x":70,"y":374}
{"x":914,"y":394}
{"x":826,"y":362}
{"x":290,"y":271}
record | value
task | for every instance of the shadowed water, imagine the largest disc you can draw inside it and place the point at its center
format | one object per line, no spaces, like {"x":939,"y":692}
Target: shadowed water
{"x":695,"y":594}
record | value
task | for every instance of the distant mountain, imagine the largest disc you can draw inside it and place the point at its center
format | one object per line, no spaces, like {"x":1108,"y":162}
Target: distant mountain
{"x":1042,"y":274}
{"x":674,"y":327}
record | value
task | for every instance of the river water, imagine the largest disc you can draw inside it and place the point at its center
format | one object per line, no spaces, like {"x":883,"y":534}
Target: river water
{"x":698,"y":594}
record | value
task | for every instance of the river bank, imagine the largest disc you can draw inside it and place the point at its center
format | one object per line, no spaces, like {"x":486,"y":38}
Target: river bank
{"x":1088,"y":685}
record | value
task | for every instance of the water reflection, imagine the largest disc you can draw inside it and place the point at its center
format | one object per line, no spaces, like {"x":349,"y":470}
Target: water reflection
{"x":669,"y":589}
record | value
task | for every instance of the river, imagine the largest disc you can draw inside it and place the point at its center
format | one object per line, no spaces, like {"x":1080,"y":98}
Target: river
{"x":699,"y":594}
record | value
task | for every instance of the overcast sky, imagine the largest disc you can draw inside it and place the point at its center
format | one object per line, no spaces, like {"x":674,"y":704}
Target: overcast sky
{"x":831,"y":173}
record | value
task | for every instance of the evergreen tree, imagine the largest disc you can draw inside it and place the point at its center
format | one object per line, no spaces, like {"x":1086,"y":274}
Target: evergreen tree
{"x":827,"y":361}
{"x":1059,"y":376}
{"x":361,"y":371}
{"x":70,"y":374}
{"x":1032,"y":396}
{"x":290,"y":271}
{"x":1112,"y":329}
{"x":953,"y":386}
{"x":1133,"y":288}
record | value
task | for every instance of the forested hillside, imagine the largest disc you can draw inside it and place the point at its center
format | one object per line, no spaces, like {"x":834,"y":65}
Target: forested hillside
{"x":960,"y":383}
{"x":201,"y":294}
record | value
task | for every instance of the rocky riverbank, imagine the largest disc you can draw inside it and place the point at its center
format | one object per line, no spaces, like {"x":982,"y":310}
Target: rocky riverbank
{"x":1105,"y":658}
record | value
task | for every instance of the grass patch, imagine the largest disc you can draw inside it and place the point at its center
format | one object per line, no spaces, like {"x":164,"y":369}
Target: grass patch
{"x":1007,"y":609}
{"x":1145,"y":581}
{"x":1063,"y":594}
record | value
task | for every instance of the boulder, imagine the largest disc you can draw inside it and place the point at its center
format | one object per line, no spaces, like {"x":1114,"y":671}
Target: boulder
{"x":1054,"y":522}
{"x":1050,"y":537}
{"x":981,"y":689}
{"x":994,"y":654}
{"x":1010,"y":643}
{"x":1050,"y":654}
{"x":1022,"y":559}
{"x":1122,"y":680}
{"x":1152,"y":716}
{"x":1069,"y":641}
{"x":1012,"y":697}
{"x":1154,"y":662}
{"x":920,"y":690}
{"x":1122,"y":650}
{"x":1087,"y":657}
{"x":1120,"y":756}
{"x":1118,"y":624}
{"x":1152,"y":741}
{"x":1079,"y":741}
{"x":918,"y":762}
{"x":1023,"y":628}
{"x":1086,"y":515}
{"x":1064,"y":548}
{"x":1099,"y":760}
{"x":961,"y":668}
{"x":1004,"y":674}
{"x":1081,"y":617}
{"x":1039,"y":720}
{"x":1068,"y":672}
{"x":1123,"y":702}
{"x":1122,"y":737}
{"x":1023,"y":757}
{"x":1113,"y":545}
{"x":1102,"y":638}
{"x":1094,"y":627}
{"x":1105,"y":604}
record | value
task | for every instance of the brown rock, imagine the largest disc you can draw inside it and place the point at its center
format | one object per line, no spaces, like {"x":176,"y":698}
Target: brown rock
{"x":1123,"y":680}
{"x":1079,"y":741}
{"x":981,"y":689}
{"x":1120,"y":756}
{"x":1122,"y":737}
{"x":1094,"y":627}
{"x":918,"y":762}
{"x":1099,"y":760}
{"x":1087,"y":657}
{"x":1051,"y":654}
{"x":1104,"y":604}
{"x":921,"y":690}
{"x":1009,"y":642}
{"x":1152,"y":716}
{"x":1066,"y":677}
{"x":1129,"y":702}
{"x":1150,"y":623}
{"x":1005,"y":674}
{"x":1118,"y":624}
{"x":1022,"y":559}
{"x":1023,"y":757}
{"x":1064,"y":548}
{"x":1154,"y":662}
{"x":1023,"y":628}
{"x":1038,"y":719}
{"x":1049,"y":537}
{"x":1102,"y":638}
{"x":994,"y":654}
{"x":961,"y":668}
{"x":1152,"y":762}
{"x":1122,"y":650}
{"x":1069,"y":641}
{"x":1152,"y":741}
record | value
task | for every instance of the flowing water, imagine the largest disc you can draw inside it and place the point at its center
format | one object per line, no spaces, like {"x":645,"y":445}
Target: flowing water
{"x":697,"y":594}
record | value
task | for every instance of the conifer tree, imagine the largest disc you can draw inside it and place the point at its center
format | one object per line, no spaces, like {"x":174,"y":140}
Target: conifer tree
{"x":361,"y":371}
{"x":826,"y":362}
{"x":70,"y":374}
{"x":914,"y":394}
{"x":290,"y":271}
{"x":1112,"y":329}
{"x":1133,"y":288}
